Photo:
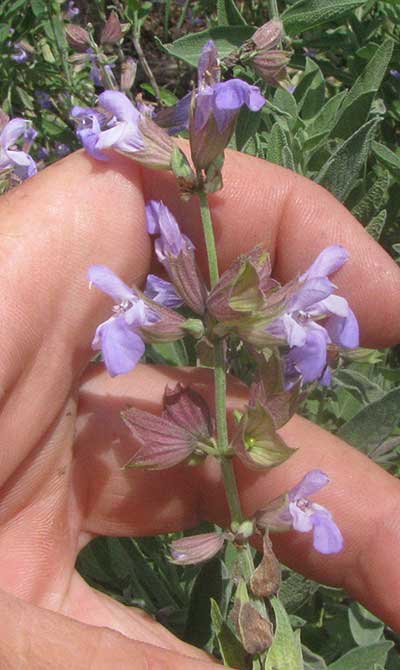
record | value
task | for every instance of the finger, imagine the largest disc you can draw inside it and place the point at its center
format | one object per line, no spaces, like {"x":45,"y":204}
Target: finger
{"x":35,"y":638}
{"x":362,"y":497}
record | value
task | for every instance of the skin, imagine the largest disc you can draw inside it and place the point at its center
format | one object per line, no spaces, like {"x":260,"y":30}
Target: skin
{"x":62,"y":441}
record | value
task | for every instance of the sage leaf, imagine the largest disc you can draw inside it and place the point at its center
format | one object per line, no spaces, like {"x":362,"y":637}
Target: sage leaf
{"x":342,"y":168}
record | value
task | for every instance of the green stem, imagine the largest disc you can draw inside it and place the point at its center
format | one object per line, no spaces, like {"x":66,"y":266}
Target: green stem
{"x":273,"y":9}
{"x":220,"y":376}
{"x":228,"y":474}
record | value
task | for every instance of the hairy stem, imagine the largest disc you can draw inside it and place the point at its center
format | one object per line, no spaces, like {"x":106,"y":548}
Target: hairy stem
{"x":273,"y":9}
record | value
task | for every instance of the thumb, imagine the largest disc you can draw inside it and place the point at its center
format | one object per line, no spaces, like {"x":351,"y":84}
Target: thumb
{"x":36,"y":639}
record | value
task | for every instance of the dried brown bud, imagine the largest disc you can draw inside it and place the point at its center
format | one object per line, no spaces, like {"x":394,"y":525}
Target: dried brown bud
{"x":111,"y":33}
{"x":268,"y":35}
{"x":128,"y":74}
{"x":78,"y":38}
{"x":266,"y":579}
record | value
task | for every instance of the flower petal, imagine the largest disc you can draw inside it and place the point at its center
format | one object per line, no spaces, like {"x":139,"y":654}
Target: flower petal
{"x":119,"y":104}
{"x":162,"y":292}
{"x":106,"y":280}
{"x":23,"y":164}
{"x":327,"y":538}
{"x":300,"y":519}
{"x":121,"y":347}
{"x":329,"y":261}
{"x":312,"y":482}
{"x":310,"y":359}
{"x":12,"y":131}
{"x":344,"y":331}
{"x":312,"y":291}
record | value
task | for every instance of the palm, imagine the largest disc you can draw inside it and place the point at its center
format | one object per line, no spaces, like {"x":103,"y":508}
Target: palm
{"x":63,"y":442}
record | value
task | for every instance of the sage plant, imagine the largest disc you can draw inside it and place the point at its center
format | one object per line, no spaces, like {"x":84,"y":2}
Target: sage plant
{"x":288,"y":331}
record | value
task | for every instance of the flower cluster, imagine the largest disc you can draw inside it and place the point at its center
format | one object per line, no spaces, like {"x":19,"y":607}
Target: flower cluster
{"x":292,"y":327}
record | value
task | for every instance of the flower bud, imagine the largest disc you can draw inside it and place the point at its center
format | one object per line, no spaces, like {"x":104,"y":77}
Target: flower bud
{"x":268,"y":36}
{"x":266,"y":579}
{"x":78,"y":38}
{"x":111,"y":33}
{"x":271,"y":66}
{"x":196,"y":548}
{"x":128,"y":74}
{"x":167,"y":326}
{"x":254,"y":631}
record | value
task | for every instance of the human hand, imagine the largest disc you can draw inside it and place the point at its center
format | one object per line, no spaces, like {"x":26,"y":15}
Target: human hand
{"x":62,"y":438}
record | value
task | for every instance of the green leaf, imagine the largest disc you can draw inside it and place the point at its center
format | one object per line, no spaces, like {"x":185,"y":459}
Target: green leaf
{"x":169,"y":353}
{"x":357,"y":103}
{"x":306,"y":14}
{"x":387,"y":157}
{"x":279,"y":151}
{"x":377,"y":224}
{"x":342,"y":168}
{"x":208,"y":584}
{"x":232,"y":651}
{"x":296,"y":591}
{"x":310,"y":93}
{"x":226,"y":39}
{"x":285,"y":652}
{"x":374,"y":423}
{"x":365,"y":627}
{"x":363,"y":658}
{"x":285,"y":102}
{"x":324,"y":120}
{"x":228,"y":14}
{"x":246,"y":127}
{"x":374,"y":200}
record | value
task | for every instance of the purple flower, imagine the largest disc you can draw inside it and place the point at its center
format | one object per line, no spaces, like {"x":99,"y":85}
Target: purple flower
{"x":308,"y":516}
{"x":211,"y":111}
{"x":20,"y":54}
{"x":162,"y":292}
{"x":19,"y":161}
{"x":311,"y":301}
{"x":72,"y":9}
{"x":176,"y":252}
{"x":43,"y":99}
{"x":294,"y":510}
{"x":118,"y":337}
{"x":117,"y":124}
{"x":395,"y":73}
{"x":310,"y":52}
{"x":160,"y":221}
{"x":62,"y":149}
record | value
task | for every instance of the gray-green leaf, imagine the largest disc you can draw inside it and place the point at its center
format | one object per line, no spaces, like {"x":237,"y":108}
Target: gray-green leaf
{"x":374,"y":423}
{"x":363,"y":658}
{"x":357,"y":103}
{"x":226,"y":39}
{"x":365,"y":627}
{"x":306,"y":14}
{"x":228,"y":14}
{"x":285,"y":652}
{"x":342,"y":168}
